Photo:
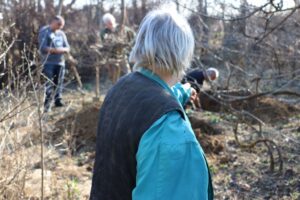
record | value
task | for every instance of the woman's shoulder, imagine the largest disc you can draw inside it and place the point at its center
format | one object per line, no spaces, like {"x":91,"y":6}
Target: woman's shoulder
{"x":176,"y":129}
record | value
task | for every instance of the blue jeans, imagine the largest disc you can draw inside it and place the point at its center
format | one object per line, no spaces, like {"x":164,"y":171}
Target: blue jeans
{"x":54,"y":85}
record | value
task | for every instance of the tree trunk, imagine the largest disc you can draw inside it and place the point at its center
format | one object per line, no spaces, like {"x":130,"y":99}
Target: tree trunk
{"x":136,"y":15}
{"x":202,"y":8}
{"x":177,"y":5}
{"x":40,"y":6}
{"x":24,"y":3}
{"x":32,"y":4}
{"x":49,"y":6}
{"x":123,"y":13}
{"x":69,"y":6}
{"x":60,"y":7}
{"x":200,"y":5}
{"x":144,"y":9}
{"x":243,"y":13}
{"x":1,"y":6}
{"x":99,"y":13}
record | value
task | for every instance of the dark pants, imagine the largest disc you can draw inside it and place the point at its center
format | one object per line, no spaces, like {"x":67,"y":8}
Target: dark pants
{"x":54,"y":85}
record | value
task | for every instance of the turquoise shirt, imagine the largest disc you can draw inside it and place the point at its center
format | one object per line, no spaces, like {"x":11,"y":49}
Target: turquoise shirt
{"x":170,"y":162}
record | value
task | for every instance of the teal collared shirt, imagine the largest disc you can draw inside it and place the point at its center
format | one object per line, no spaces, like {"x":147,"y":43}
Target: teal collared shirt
{"x":170,"y":162}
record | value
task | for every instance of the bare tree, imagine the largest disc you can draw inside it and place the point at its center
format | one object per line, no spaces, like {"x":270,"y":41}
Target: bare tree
{"x":123,"y":13}
{"x":243,"y":13}
{"x":39,"y":5}
{"x":135,"y":10}
{"x":60,"y":7}
{"x":49,"y":6}
{"x":202,"y":6}
{"x":69,"y":6}
{"x":99,"y":13}
{"x":177,"y":5}
{"x":202,"y":9}
{"x":143,"y":8}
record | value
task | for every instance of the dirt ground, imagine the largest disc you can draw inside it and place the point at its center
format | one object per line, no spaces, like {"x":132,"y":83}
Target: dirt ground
{"x":238,"y":173}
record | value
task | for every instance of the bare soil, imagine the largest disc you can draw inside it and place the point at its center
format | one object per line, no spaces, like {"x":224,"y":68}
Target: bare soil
{"x":238,"y":173}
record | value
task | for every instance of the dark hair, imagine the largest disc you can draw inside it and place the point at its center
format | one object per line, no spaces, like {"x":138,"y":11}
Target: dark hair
{"x":58,"y":18}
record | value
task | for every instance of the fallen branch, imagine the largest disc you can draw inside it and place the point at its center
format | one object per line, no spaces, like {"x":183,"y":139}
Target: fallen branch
{"x":9,"y":114}
{"x":283,"y":92}
{"x":266,"y":142}
{"x":7,"y":49}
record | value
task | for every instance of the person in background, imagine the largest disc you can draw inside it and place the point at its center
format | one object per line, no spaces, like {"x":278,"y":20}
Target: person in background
{"x":118,"y":39}
{"x":53,"y":44}
{"x":110,"y":24}
{"x":146,"y":147}
{"x":196,"y":78}
{"x":113,"y":32}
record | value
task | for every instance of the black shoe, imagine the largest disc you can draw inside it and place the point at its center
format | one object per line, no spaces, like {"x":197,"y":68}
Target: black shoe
{"x":59,"y":103}
{"x":47,"y":108}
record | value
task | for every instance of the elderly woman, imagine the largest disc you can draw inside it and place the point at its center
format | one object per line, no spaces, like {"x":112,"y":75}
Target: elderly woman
{"x":146,"y":148}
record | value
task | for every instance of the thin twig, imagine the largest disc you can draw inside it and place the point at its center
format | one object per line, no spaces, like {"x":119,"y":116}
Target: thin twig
{"x":265,"y":141}
{"x":283,"y":92}
{"x":7,"y":49}
{"x":11,"y":116}
{"x":277,"y":26}
{"x":224,"y":19}
{"x":37,"y":97}
{"x":7,"y":115}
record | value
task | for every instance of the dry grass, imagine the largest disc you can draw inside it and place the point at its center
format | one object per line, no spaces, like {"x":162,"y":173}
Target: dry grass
{"x":20,"y":161}
{"x":69,"y":151}
{"x":68,"y":155}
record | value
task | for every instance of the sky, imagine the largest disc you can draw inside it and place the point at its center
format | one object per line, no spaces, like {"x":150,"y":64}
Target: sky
{"x":287,"y":3}
{"x":212,"y":6}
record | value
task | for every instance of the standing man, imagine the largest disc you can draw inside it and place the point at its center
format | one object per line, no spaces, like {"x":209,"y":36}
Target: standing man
{"x":119,"y":40}
{"x":53,"y":44}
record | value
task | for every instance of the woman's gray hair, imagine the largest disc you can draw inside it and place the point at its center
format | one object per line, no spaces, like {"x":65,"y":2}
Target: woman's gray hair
{"x":164,"y":43}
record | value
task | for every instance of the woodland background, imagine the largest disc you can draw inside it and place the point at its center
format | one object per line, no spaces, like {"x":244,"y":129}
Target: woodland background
{"x":249,"y":125}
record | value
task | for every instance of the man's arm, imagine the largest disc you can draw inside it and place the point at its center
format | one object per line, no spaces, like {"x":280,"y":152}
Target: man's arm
{"x":43,"y":41}
{"x":61,"y":50}
{"x":66,"y":43}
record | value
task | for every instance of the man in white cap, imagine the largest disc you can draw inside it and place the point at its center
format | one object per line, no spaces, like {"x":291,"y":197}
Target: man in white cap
{"x":111,"y":28}
{"x":109,"y":22}
{"x":197,"y":77}
{"x":117,"y":41}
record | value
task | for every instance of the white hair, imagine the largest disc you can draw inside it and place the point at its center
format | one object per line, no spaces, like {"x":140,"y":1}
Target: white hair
{"x":164,"y":43}
{"x":212,"y":70}
{"x":107,"y":18}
